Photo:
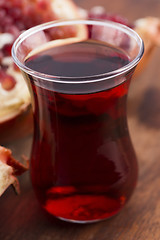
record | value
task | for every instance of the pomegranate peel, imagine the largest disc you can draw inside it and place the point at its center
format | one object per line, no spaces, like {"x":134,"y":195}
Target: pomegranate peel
{"x":10,"y":168}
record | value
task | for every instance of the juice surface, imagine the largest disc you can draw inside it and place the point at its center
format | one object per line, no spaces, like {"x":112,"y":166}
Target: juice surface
{"x":86,"y":58}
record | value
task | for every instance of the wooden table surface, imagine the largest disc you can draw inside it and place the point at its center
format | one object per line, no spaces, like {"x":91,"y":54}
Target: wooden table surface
{"x":21,"y":217}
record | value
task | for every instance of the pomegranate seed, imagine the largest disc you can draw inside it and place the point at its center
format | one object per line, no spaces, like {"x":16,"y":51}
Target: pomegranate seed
{"x":12,"y":30}
{"x":8,"y":82}
{"x":15,"y":13}
{"x":8,"y":20}
{"x":20,"y":25}
{"x":2,"y":2}
{"x":42,"y":4}
{"x":18,"y":3}
{"x":7,"y":49}
{"x":2,"y":14}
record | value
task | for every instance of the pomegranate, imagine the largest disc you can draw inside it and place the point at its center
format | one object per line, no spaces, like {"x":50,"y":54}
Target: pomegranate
{"x":17,"y":16}
{"x":9,"y":170}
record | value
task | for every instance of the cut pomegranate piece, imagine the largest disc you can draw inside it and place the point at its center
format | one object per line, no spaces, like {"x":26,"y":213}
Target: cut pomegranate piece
{"x":17,"y":16}
{"x":9,"y":169}
{"x":149,"y":30}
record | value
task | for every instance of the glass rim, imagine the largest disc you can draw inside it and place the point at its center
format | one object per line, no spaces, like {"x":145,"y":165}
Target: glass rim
{"x":82,"y":79}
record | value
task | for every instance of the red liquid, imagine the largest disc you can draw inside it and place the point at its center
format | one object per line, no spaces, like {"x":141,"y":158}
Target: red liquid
{"x":83,"y":165}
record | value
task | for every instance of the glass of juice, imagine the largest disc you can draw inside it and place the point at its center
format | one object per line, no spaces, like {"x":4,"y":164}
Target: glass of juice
{"x":83,"y":166}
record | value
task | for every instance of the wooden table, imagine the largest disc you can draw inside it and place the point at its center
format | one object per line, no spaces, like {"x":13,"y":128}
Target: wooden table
{"x":21,"y":217}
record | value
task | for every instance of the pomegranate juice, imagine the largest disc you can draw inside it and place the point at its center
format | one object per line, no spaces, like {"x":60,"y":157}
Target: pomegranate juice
{"x":83,"y":165}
